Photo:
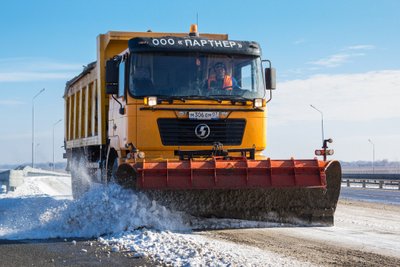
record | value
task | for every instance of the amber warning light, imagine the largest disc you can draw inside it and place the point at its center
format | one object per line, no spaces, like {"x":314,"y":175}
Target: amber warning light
{"x":193,"y":30}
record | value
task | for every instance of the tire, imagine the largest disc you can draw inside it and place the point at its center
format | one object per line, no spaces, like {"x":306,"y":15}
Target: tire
{"x":112,"y":176}
{"x":112,"y":166}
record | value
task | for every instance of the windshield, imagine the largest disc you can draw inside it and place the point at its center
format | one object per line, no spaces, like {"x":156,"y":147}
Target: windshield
{"x":196,"y":76}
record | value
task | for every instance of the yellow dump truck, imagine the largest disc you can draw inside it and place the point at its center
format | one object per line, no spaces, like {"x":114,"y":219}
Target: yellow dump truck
{"x":182,"y":117}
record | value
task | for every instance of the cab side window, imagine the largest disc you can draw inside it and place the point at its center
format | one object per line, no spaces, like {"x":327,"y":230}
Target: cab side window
{"x":121,"y":79}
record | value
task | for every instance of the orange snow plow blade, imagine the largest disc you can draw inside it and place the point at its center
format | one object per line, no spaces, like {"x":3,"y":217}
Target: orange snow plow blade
{"x":235,"y":173}
{"x":241,"y":188}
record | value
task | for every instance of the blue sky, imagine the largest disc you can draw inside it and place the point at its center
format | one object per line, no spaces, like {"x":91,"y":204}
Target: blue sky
{"x":341,"y":56}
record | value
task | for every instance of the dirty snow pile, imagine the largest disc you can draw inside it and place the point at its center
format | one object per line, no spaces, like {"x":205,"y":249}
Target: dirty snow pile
{"x":122,"y":220}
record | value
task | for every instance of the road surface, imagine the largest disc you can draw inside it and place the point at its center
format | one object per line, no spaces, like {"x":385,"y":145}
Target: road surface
{"x":365,"y":234}
{"x":60,"y":252}
{"x":391,"y":196}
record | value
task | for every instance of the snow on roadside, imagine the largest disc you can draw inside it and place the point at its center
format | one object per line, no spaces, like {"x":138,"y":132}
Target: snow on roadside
{"x":42,"y":208}
{"x":191,"y":249}
{"x":57,"y":187}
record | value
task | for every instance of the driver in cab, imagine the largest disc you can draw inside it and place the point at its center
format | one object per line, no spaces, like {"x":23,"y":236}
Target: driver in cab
{"x":220,"y":80}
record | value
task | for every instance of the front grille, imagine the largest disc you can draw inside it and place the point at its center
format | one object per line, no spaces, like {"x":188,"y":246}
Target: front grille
{"x":181,"y":132}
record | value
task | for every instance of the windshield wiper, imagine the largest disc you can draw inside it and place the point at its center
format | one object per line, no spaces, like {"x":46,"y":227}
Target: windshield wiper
{"x":238,"y":97}
{"x":216,"y":97}
{"x":233,"y":98}
{"x":167,"y":97}
{"x":170,"y":98}
{"x":201,"y":97}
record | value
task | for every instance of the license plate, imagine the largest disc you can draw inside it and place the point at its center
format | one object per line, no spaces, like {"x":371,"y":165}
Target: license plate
{"x":203,"y":115}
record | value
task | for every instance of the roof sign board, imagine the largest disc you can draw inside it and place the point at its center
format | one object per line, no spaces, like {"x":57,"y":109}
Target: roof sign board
{"x":178,"y":44}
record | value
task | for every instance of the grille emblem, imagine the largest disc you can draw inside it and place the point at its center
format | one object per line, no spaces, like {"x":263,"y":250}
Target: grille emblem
{"x":202,"y":131}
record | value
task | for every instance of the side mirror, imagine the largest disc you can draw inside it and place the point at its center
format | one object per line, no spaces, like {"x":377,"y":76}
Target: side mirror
{"x":112,"y":75}
{"x":270,"y":78}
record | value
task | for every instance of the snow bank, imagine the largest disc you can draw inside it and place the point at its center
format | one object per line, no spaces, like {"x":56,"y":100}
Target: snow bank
{"x":102,"y":210}
{"x":57,"y":187}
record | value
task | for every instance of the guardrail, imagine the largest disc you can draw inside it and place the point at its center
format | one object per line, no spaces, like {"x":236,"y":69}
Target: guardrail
{"x":372,"y":180}
{"x":373,"y":176}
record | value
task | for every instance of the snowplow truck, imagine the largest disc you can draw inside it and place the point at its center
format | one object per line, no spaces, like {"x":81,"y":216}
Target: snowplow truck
{"x":155,"y":114}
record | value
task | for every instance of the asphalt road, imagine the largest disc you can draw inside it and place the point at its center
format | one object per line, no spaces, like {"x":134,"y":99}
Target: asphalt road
{"x":57,"y":252}
{"x":371,"y":195}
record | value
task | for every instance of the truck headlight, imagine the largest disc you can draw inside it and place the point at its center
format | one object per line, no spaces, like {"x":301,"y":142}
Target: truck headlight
{"x":141,"y":155}
{"x":258,"y":103}
{"x":150,"y":101}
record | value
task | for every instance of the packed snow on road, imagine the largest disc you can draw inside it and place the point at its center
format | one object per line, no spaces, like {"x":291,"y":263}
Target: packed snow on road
{"x":123,"y":220}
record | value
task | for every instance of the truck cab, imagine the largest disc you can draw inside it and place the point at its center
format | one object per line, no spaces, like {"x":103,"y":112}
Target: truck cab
{"x":175,"y":94}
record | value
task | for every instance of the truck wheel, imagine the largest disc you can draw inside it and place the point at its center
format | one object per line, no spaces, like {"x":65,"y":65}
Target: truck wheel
{"x":80,"y":179}
{"x":126,"y":176}
{"x":112,"y":166}
{"x":112,"y":178}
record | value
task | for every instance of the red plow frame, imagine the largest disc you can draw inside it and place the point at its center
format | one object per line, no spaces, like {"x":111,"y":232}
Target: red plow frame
{"x":233,"y":173}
